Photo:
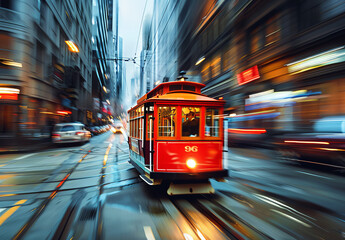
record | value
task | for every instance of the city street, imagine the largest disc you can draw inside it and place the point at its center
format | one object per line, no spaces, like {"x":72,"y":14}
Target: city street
{"x":191,"y":120}
{"x":90,"y":191}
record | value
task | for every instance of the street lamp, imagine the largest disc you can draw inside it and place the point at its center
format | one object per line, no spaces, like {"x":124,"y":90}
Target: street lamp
{"x":72,"y":46}
{"x":200,"y":61}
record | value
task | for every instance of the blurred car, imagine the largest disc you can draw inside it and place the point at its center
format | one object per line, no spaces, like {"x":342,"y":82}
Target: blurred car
{"x":324,"y":146}
{"x":253,"y":129}
{"x":70,"y":133}
{"x":95,"y":130}
{"x":117,"y":127}
{"x":88,"y":128}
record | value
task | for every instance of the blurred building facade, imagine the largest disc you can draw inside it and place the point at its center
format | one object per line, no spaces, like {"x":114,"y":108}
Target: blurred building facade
{"x":111,"y":68}
{"x":118,"y":64}
{"x":158,"y":59}
{"x":42,"y":81}
{"x":101,"y":78}
{"x":283,"y":57}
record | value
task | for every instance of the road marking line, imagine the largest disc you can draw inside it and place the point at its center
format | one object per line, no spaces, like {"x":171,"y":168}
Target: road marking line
{"x":106,"y":154}
{"x":10,"y":211}
{"x":25,"y":156}
{"x":315,"y":175}
{"x":148,"y":233}
{"x":7,"y":195}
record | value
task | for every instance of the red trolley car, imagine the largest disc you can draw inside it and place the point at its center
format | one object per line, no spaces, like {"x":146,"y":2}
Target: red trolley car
{"x":176,"y":136}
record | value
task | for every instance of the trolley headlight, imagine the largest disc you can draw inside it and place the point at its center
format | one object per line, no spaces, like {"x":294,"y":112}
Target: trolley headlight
{"x":191,"y":163}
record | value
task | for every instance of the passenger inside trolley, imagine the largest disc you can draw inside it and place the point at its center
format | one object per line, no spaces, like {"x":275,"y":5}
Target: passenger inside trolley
{"x":190,"y":127}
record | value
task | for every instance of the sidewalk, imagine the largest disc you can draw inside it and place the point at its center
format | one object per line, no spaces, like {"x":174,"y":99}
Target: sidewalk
{"x":11,"y":146}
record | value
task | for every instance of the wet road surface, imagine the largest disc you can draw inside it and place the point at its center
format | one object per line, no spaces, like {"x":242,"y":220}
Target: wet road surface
{"x":92,"y":192}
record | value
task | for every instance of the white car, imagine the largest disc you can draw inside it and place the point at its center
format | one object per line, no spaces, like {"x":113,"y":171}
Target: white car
{"x":70,"y":133}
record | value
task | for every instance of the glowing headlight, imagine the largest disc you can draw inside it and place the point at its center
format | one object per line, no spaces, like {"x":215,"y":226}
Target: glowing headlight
{"x":191,"y":163}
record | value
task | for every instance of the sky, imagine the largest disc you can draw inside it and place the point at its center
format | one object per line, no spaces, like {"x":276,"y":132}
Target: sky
{"x":130,"y":18}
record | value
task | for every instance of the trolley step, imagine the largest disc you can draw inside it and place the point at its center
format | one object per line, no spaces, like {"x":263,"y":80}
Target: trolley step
{"x":190,"y":188}
{"x":150,"y":181}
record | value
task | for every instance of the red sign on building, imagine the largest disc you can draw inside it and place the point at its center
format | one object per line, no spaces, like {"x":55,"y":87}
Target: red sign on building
{"x":8,"y":96}
{"x":248,"y":75}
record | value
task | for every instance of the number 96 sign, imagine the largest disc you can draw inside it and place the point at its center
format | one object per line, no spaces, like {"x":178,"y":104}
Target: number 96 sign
{"x":191,"y":148}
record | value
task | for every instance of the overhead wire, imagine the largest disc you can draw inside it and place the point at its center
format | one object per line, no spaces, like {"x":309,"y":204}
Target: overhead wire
{"x":141,"y":24}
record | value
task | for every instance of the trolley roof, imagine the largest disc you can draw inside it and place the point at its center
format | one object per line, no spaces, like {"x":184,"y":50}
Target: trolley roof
{"x":178,"y":91}
{"x":164,"y":88}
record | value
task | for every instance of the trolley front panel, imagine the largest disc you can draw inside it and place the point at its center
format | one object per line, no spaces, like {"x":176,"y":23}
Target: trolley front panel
{"x":172,"y":156}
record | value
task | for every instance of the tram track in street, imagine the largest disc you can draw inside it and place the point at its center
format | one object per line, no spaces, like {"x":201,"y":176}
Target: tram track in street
{"x":201,"y":208}
{"x":102,"y":185}
{"x":118,"y":184}
{"x":202,"y":217}
{"x":40,"y":209}
{"x":65,"y":172}
{"x":215,"y":208}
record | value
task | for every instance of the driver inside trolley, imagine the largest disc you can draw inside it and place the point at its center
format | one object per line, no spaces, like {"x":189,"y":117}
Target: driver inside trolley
{"x":190,"y":127}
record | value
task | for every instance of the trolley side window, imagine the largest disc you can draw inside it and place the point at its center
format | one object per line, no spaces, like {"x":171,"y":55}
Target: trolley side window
{"x":212,"y":122}
{"x":190,"y":122}
{"x":166,"y":121}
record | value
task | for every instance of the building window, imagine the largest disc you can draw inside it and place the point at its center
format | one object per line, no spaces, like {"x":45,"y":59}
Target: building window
{"x":7,"y":119}
{"x":216,"y":28}
{"x":228,"y":56}
{"x":309,"y":13}
{"x":6,"y":4}
{"x":272,"y":31}
{"x":204,"y":41}
{"x":265,"y":34}
{"x":205,"y":72}
{"x":216,"y":66}
{"x":332,"y":8}
{"x":256,"y":39}
{"x":40,"y":52}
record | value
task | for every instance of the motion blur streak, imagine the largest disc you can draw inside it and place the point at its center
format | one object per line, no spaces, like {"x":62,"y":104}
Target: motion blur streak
{"x":72,"y":46}
{"x":187,"y":236}
{"x":318,"y":163}
{"x":292,"y":218}
{"x":148,"y":233}
{"x":200,"y":235}
{"x":278,"y":204}
{"x":332,"y":149}
{"x":10,"y":211}
{"x":306,"y":142}
{"x":247,"y":131}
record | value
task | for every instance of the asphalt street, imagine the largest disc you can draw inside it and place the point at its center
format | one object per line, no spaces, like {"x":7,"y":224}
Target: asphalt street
{"x":91,"y":191}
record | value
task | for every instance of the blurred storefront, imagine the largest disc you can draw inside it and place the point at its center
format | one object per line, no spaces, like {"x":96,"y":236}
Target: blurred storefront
{"x":35,"y":64}
{"x":291,"y":53}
